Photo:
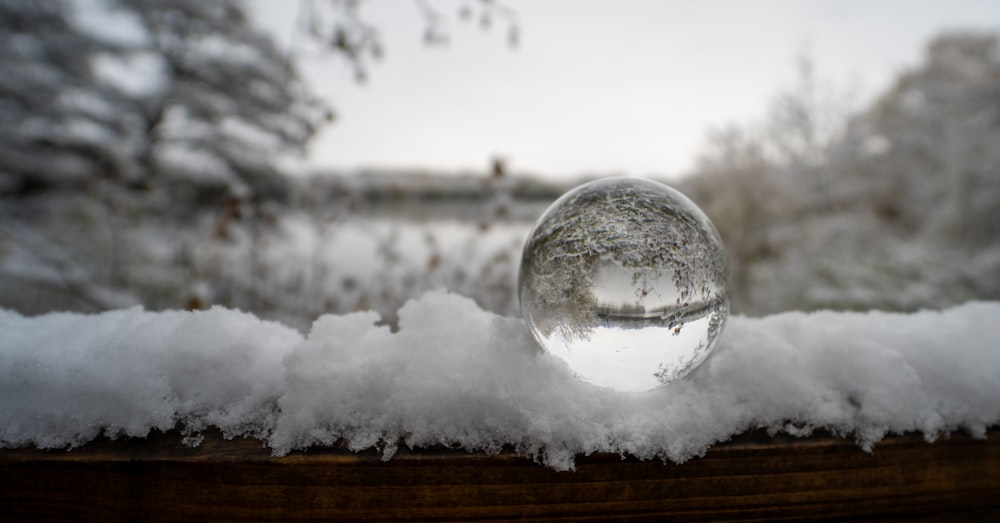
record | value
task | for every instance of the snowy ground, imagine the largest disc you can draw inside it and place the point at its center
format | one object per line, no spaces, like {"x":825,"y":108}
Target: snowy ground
{"x":458,"y":375}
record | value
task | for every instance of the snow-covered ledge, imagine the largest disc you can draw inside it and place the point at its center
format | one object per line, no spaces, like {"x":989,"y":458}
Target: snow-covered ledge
{"x":456,"y":375}
{"x":354,"y":420}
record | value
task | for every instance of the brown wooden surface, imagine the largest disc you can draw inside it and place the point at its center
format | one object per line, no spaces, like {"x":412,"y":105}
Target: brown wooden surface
{"x":753,"y":477}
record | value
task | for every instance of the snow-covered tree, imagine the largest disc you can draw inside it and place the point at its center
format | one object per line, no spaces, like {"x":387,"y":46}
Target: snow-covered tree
{"x":55,"y":123}
{"x":894,"y":207}
{"x":145,"y":92}
{"x":936,"y":133}
{"x":124,"y":122}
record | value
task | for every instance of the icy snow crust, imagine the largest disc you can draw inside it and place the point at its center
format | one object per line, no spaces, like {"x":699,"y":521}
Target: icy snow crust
{"x":457,"y":375}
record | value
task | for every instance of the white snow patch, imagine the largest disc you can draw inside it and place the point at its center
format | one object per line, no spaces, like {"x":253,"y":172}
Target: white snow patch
{"x":138,"y":74}
{"x":67,"y":378}
{"x":457,"y":375}
{"x":104,"y":21}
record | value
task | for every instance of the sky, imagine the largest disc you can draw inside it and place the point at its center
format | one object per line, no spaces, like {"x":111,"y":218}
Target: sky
{"x":599,"y":87}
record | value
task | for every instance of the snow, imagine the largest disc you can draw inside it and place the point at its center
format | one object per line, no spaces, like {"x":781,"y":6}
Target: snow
{"x":66,"y":378}
{"x":138,"y":74}
{"x":102,"y":20}
{"x":458,"y":375}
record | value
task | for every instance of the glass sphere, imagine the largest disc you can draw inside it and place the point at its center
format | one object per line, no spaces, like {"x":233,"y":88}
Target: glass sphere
{"x":627,"y":281}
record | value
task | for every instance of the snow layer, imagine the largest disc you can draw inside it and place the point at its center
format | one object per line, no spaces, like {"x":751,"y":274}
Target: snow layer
{"x":457,"y":375}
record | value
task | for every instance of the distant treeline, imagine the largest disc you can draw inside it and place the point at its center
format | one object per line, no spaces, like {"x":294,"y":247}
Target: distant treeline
{"x":383,"y":185}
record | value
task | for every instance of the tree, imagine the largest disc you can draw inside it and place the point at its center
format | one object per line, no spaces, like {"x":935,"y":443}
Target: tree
{"x":224,"y":103}
{"x":891,"y":208}
{"x":338,"y":26}
{"x":219,"y":103}
{"x":938,"y":128}
{"x":54,"y":124}
{"x":119,"y":133}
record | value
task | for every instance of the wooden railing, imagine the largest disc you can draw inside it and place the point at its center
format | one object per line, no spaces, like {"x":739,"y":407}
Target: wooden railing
{"x":753,"y":477}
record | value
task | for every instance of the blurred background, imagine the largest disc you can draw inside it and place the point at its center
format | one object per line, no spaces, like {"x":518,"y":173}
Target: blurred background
{"x":298,"y":158}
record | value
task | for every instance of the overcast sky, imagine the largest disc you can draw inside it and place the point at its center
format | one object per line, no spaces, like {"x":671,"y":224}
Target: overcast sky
{"x":601,"y":86}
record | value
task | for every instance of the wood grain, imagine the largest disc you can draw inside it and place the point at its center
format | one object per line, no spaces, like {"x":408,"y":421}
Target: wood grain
{"x":753,"y":477}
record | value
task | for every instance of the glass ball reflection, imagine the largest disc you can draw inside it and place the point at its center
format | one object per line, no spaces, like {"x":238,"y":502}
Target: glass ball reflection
{"x":627,"y":281}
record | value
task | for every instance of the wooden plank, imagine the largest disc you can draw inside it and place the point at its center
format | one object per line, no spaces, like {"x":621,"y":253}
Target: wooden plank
{"x":753,"y":477}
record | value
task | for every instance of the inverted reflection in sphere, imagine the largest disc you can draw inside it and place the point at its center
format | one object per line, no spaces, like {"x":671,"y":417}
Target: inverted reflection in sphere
{"x":627,"y":281}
